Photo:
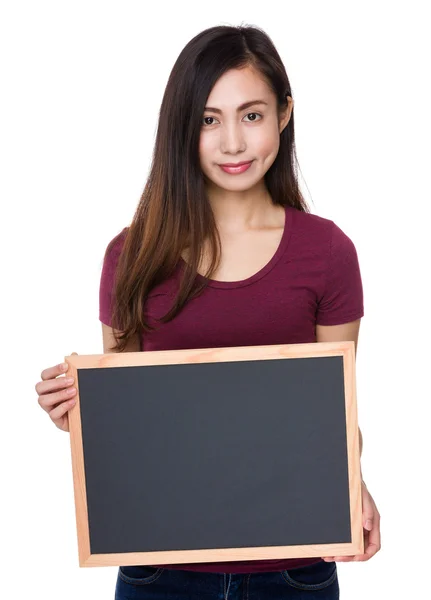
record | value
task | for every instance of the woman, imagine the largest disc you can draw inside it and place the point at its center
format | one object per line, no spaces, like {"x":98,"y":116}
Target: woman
{"x":223,"y":251}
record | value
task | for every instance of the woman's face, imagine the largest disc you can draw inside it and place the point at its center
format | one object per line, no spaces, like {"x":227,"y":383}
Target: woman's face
{"x":232,"y":135}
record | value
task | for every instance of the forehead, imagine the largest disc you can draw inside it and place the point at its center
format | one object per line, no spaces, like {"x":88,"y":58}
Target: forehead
{"x":238,"y":86}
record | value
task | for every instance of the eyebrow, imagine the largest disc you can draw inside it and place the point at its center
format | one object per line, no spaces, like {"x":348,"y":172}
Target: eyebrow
{"x":242,"y":107}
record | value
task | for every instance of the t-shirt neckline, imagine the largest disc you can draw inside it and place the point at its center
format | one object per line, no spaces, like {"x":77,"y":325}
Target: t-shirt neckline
{"x":215,"y":283}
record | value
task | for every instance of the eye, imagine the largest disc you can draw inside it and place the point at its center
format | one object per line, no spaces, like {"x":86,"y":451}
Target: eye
{"x":205,"y":119}
{"x":253,"y":113}
{"x":247,"y":115}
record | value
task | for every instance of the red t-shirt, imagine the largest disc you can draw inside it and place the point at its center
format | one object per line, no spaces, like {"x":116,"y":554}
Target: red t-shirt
{"x":313,"y":278}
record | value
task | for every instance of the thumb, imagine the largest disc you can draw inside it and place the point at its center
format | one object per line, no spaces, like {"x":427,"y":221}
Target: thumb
{"x":368,"y":520}
{"x":367,"y":511}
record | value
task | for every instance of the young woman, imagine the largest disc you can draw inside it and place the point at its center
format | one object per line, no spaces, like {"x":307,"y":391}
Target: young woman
{"x":223,"y":251}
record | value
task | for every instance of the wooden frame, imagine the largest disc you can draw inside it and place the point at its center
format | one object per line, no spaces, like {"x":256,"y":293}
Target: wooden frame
{"x":287,"y":351}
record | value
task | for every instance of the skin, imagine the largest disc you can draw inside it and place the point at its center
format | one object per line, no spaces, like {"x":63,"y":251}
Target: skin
{"x":370,"y":513}
{"x":249,"y":226}
{"x":241,"y":202}
{"x":244,"y":212}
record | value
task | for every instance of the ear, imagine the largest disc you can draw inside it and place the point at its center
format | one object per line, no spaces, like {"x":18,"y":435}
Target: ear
{"x":286,"y":114}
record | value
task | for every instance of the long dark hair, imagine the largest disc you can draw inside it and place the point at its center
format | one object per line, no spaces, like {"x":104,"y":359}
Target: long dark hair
{"x":174,"y":211}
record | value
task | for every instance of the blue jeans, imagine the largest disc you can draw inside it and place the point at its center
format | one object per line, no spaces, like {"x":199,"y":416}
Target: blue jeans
{"x":313,"y":582}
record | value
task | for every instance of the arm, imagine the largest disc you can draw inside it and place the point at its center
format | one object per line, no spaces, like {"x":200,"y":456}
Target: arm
{"x":341,"y":333}
{"x":109,"y":341}
{"x":370,"y":514}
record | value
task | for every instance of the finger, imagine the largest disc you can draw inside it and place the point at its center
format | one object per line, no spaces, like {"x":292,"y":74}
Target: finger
{"x":368,"y":509}
{"x":368,"y":517}
{"x":48,"y":401}
{"x":61,"y":409}
{"x":368,"y":554}
{"x":343,"y":558}
{"x":45,"y":387}
{"x":373,"y":541}
{"x":52,"y":372}
{"x":57,"y":370}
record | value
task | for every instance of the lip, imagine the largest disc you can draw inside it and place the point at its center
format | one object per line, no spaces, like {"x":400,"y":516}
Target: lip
{"x":237,"y":169}
{"x":245,"y":162}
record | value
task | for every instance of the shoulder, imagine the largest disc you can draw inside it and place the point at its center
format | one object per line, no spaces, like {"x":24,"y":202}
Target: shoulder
{"x":318,"y":230}
{"x":115,"y":246}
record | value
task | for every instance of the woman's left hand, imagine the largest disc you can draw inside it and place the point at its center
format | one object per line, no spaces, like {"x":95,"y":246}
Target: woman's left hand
{"x":371,"y":524}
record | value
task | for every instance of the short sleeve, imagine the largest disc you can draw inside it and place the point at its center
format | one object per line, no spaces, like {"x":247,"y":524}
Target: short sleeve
{"x":106,"y":287}
{"x":342,"y":299}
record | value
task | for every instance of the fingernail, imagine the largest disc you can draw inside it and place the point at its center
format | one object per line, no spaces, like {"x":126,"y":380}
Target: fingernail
{"x":368,"y":525}
{"x":64,"y":366}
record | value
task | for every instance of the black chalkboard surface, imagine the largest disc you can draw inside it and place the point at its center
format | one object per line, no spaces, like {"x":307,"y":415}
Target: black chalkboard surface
{"x":218,"y":454}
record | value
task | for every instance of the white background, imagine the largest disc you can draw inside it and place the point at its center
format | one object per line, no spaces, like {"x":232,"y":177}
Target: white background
{"x":82,"y":84}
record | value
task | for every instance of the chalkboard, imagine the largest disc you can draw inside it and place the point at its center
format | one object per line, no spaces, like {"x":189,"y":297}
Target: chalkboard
{"x":216,"y":454}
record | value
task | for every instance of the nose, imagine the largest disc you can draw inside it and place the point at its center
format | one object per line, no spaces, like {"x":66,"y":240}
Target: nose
{"x":232,"y":139}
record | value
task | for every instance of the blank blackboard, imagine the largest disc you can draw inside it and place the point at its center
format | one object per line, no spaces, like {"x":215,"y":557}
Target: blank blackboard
{"x":218,"y":454}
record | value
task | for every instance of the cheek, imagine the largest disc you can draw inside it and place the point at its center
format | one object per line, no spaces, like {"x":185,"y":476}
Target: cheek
{"x":269,"y":146}
{"x":205,"y":148}
{"x":265,"y":144}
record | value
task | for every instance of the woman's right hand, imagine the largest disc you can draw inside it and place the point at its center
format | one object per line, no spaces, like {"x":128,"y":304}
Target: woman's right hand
{"x":56,"y":396}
